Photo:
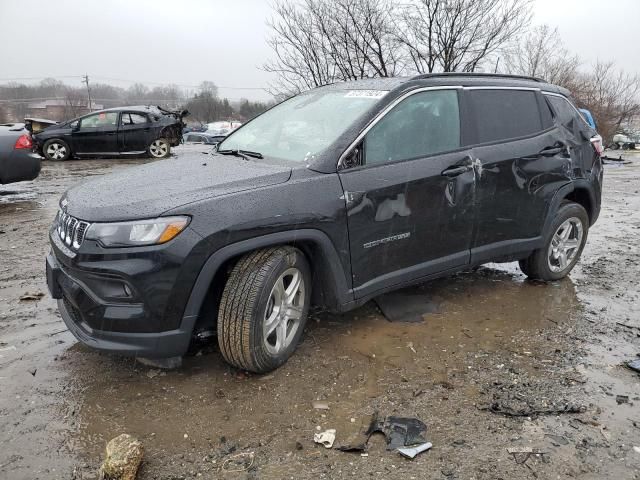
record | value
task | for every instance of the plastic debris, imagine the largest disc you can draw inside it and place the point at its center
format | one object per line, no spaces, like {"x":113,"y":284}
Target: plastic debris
{"x":325,"y":438}
{"x":620,"y":399}
{"x":411,"y":452}
{"x":406,"y":306}
{"x":239,"y":462}
{"x":320,"y":405}
{"x":634,"y":365}
{"x":161,"y":363}
{"x":522,"y":454}
{"x":31,"y":296}
{"x":399,"y":432}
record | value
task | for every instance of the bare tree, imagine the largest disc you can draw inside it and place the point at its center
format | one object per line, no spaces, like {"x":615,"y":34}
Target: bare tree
{"x":75,"y":103}
{"x":208,"y":87}
{"x":316,"y":42}
{"x":459,"y":35}
{"x":541,"y":53}
{"x":612,"y":96}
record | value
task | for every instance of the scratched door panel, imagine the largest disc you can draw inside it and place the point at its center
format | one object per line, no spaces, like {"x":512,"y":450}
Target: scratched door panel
{"x":407,"y":220}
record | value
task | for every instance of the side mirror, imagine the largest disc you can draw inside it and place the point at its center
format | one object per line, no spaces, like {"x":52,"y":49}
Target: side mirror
{"x":354,"y":159}
{"x":75,"y":126}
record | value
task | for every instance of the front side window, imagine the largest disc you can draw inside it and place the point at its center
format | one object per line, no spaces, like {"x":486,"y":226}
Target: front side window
{"x":422,"y":124}
{"x":98,"y":120}
{"x":504,"y":114}
{"x":302,"y":126}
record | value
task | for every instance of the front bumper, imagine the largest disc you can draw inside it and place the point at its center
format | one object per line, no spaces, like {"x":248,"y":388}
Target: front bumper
{"x":95,"y":322}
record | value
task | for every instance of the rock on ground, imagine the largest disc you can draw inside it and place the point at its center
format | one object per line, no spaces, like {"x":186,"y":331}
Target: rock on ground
{"x":124,"y":455}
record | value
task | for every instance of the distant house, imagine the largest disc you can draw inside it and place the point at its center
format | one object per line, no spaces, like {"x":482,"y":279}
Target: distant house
{"x":59,"y":109}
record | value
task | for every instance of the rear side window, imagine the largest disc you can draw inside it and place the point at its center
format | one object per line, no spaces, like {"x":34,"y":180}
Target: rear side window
{"x":505,"y":114}
{"x":138,"y":119}
{"x":423,"y":124}
{"x":565,"y":113}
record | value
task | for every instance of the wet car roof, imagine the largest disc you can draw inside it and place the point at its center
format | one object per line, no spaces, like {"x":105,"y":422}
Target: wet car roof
{"x":142,"y":108}
{"x":444,"y":79}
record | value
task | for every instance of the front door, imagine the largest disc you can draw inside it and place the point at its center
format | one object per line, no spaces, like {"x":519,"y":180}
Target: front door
{"x":96,"y":134}
{"x":134,"y":132}
{"x":410,"y":198}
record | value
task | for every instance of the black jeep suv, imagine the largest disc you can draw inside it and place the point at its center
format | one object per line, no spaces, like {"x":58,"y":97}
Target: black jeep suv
{"x":330,"y":198}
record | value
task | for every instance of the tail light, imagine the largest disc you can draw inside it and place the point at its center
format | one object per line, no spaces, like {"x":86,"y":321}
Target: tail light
{"x":24,"y":142}
{"x":596,"y":141}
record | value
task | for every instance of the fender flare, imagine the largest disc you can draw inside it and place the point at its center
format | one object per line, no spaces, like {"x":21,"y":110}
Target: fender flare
{"x":331,"y":265}
{"x":561,"y":194}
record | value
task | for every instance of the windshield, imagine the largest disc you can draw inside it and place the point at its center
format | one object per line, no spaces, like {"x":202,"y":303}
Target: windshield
{"x":304,"y":125}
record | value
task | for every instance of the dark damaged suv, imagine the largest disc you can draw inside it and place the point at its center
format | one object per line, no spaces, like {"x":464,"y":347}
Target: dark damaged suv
{"x":330,"y":198}
{"x":113,"y":132}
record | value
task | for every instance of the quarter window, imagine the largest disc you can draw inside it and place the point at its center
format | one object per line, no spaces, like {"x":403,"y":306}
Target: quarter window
{"x":565,"y":113}
{"x":504,"y":114}
{"x":423,"y":124}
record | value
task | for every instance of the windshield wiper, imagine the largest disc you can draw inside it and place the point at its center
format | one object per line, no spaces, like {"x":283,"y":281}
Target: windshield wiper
{"x":241,"y":153}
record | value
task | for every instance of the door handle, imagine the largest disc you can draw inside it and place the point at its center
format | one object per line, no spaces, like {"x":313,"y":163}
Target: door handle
{"x":456,"y":170}
{"x":557,"y":149}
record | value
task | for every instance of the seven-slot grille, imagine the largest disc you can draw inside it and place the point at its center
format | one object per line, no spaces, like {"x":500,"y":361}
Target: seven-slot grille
{"x":71,"y":230}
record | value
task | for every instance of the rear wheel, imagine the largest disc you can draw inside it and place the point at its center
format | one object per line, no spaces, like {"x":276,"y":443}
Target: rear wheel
{"x":263,"y":309}
{"x":160,"y":148}
{"x":563,"y":245}
{"x":56,"y":150}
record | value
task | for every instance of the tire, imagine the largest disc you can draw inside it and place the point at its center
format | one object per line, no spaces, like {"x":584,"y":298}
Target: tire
{"x":56,"y":150}
{"x":553,"y":262}
{"x":159,"y":148}
{"x":253,"y":301}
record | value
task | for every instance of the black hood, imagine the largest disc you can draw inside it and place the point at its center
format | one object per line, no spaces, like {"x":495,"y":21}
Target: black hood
{"x":150,"y":190}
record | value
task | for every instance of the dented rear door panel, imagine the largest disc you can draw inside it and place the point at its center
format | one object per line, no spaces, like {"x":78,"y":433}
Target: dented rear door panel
{"x":516,"y":181}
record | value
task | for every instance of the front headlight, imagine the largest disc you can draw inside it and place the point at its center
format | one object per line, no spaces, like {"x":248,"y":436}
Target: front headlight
{"x":137,"y":232}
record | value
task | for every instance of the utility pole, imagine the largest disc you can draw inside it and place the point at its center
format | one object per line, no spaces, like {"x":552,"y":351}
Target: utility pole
{"x":85,"y":79}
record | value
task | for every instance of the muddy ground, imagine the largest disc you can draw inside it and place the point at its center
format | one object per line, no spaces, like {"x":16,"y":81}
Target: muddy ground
{"x":485,"y":373}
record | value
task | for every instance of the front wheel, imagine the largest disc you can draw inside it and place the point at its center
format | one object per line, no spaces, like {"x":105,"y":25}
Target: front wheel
{"x":160,"y":148}
{"x":263,"y":309}
{"x":563,"y":245}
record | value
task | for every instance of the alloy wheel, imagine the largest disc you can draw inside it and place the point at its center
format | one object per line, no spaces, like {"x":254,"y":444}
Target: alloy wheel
{"x":283,"y":311}
{"x":56,"y":151}
{"x":565,"y":244}
{"x":159,"y":148}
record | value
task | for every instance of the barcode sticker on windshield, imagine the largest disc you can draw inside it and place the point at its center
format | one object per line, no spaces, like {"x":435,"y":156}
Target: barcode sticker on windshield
{"x":366,"y":93}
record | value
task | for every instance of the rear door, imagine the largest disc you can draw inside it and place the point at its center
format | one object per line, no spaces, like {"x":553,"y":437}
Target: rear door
{"x":521,"y":161}
{"x":410,"y":194}
{"x":96,"y":134}
{"x":134,"y":133}
{"x":576,"y":133}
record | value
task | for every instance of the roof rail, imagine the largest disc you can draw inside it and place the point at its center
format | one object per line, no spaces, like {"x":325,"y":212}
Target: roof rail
{"x":478,"y":75}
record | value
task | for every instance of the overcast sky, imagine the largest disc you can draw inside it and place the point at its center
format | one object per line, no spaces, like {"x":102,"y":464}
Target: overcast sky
{"x":188,"y":41}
